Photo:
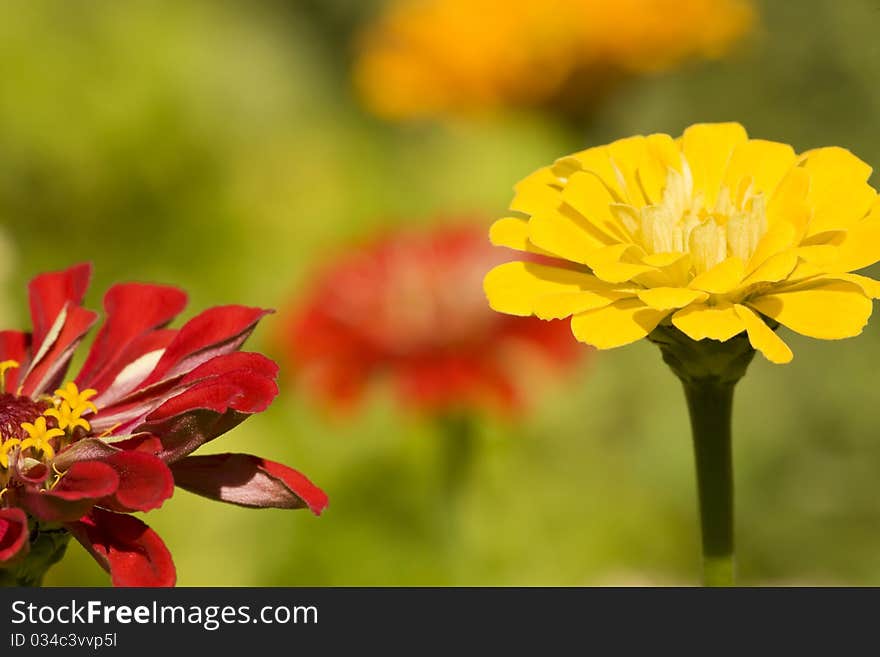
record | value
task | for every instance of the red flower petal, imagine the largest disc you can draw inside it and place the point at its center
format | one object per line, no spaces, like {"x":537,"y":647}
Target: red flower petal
{"x":51,"y":292}
{"x":130,"y":368}
{"x":207,"y":410}
{"x":14,"y":533}
{"x":248,"y":481}
{"x":249,"y":371}
{"x":133,"y":310}
{"x":142,"y":442}
{"x":238,"y":360}
{"x":447,"y":351}
{"x":240,"y":390}
{"x":87,"y":449}
{"x":80,"y":488}
{"x":122,"y":415}
{"x":131,"y":552}
{"x":216,"y":331}
{"x":14,"y":345}
{"x":49,"y":365}
{"x":144,"y":482}
{"x":448,"y":381}
{"x":36,"y":474}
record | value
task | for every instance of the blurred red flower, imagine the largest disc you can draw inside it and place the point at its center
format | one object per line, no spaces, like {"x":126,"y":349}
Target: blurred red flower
{"x":410,"y":306}
{"x":117,"y":439}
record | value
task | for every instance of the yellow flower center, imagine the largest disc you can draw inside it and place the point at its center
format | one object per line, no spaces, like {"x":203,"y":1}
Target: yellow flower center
{"x":39,"y":437}
{"x":5,"y":447}
{"x":682,"y":222}
{"x":68,"y":417}
{"x":33,"y":438}
{"x":78,"y":401}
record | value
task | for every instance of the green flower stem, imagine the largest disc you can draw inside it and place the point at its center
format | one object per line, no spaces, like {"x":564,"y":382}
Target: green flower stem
{"x":457,"y":446}
{"x":710,"y":404}
{"x":709,"y":371}
{"x":456,"y":433}
{"x":46,"y":549}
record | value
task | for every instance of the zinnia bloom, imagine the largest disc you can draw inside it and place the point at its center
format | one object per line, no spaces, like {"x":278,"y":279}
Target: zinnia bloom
{"x":457,"y":57}
{"x":409,"y":306}
{"x":79,"y":456}
{"x":705,"y":244}
{"x":714,"y":233}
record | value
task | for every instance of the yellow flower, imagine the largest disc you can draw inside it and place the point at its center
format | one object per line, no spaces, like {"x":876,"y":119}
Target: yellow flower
{"x":442,"y":57}
{"x":78,"y":401}
{"x":715,"y":233}
{"x":69,"y":418}
{"x":39,"y":436}
{"x":6,"y":446}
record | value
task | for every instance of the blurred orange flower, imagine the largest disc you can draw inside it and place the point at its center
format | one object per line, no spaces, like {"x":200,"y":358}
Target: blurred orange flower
{"x":453,"y":57}
{"x":410,"y":306}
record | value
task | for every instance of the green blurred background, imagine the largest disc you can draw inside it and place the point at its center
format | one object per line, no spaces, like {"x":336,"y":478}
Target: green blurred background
{"x":218,"y":146}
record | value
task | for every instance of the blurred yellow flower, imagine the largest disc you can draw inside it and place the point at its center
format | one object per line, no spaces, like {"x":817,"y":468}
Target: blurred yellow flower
{"x":451,"y":57}
{"x":714,"y":232}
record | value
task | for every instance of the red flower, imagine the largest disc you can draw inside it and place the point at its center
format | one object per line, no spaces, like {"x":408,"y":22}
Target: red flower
{"x":411,"y":306}
{"x":117,"y":438}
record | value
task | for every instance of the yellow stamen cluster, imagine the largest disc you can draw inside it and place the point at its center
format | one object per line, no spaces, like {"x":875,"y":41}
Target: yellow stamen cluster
{"x":68,"y":405}
{"x":78,"y":401}
{"x":5,"y":447}
{"x":68,"y":418}
{"x":682,"y":222}
{"x":39,"y":436}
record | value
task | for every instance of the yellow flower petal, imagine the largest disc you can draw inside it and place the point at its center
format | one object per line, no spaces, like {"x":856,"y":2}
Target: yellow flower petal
{"x":699,"y":321}
{"x":595,"y":160}
{"x":828,"y":237}
{"x":536,"y":191}
{"x":762,"y":337}
{"x":661,"y":154}
{"x":670,"y":298}
{"x":780,"y":237}
{"x":860,"y":246}
{"x":823,"y":308}
{"x":801,"y":274}
{"x":614,"y":253}
{"x":838,"y":192}
{"x":591,"y":199}
{"x":620,"y":323}
{"x":618,"y":263}
{"x":708,"y":148}
{"x":564,"y":234}
{"x":869,"y":286}
{"x":774,"y":269}
{"x":565,"y":166}
{"x":673,"y":270}
{"x":788,"y":203}
{"x":557,"y":306}
{"x":514,"y":287}
{"x":763,"y":163}
{"x":663,"y":259}
{"x":626,"y":155}
{"x":619,"y":272}
{"x":722,"y":278}
{"x":818,"y":254}
{"x":513,"y":233}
